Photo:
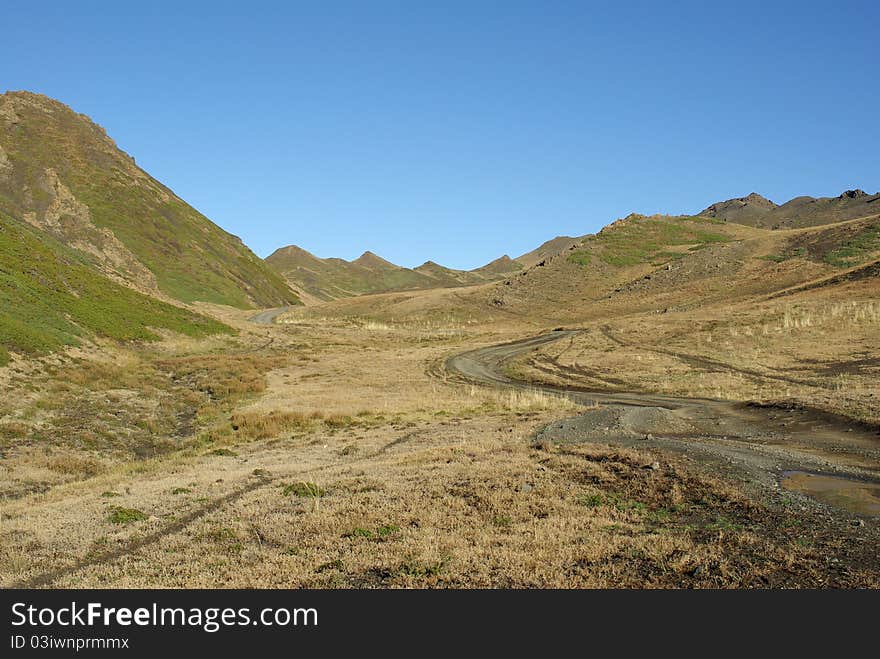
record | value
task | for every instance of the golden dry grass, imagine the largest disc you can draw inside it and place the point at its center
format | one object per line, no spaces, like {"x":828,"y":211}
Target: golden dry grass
{"x":817,"y":350}
{"x":465,"y":503}
{"x":328,"y":454}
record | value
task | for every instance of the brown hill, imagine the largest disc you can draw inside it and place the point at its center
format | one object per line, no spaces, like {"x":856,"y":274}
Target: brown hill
{"x":549,"y":249}
{"x":501,"y":266}
{"x":743,"y":210}
{"x":754,"y":210}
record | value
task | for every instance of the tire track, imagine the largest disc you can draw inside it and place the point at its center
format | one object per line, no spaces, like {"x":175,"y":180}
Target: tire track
{"x":765,"y":441}
{"x":708,"y":362}
{"x":46,"y":579}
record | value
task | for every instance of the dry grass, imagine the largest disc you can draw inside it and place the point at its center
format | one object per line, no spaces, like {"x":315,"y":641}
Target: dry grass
{"x":71,"y":464}
{"x":78,"y":414}
{"x":837,"y":315}
{"x":461,"y":505}
{"x":263,"y":425}
{"x":222,"y":376}
{"x":817,"y":351}
{"x":325,"y":455}
{"x":520,"y":400}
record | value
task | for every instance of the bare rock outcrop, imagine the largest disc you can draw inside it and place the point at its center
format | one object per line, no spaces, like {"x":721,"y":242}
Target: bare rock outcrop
{"x":5,"y":164}
{"x":70,"y":221}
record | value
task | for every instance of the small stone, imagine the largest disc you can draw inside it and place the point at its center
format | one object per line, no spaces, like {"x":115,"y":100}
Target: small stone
{"x":526,"y":487}
{"x":649,"y":436}
{"x":859,"y":522}
{"x":654,"y":466}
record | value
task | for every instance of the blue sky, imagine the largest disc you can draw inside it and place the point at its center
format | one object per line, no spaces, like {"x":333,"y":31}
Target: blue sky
{"x":458,"y":131}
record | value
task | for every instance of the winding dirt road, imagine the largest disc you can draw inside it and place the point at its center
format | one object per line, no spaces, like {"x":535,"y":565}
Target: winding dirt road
{"x":763,"y":446}
{"x":268,"y":317}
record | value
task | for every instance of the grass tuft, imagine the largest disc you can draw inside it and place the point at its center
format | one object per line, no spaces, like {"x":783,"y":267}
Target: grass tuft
{"x":303,"y":489}
{"x":120,"y":515}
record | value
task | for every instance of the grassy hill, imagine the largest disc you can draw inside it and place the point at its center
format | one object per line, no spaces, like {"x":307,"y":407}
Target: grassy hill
{"x":334,"y":278}
{"x":660,"y":263}
{"x":51,"y":296}
{"x":62,"y":174}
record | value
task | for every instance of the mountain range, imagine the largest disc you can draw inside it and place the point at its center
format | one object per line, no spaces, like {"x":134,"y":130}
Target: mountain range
{"x":334,"y":278}
{"x":93,"y":246}
{"x":757,"y":211}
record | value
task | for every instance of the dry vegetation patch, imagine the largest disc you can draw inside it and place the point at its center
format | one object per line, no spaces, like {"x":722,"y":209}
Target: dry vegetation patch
{"x":464,"y":503}
{"x":347,"y":465}
{"x":815,"y":350}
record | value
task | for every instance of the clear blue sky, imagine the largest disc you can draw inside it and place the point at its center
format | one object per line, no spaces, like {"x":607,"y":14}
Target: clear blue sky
{"x":458,"y":131}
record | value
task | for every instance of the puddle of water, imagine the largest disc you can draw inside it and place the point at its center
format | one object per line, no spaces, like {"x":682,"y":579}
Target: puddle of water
{"x":846,"y":493}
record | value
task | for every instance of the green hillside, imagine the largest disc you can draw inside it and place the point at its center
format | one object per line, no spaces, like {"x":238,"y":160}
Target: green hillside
{"x":51,"y":296}
{"x":60,"y":172}
{"x":639,"y":240}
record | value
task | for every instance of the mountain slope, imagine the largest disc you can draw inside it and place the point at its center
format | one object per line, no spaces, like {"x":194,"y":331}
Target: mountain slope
{"x":62,"y":174}
{"x":51,"y":296}
{"x":334,"y":278}
{"x":493,"y":271}
{"x":500,"y":267}
{"x":656,"y":263}
{"x":547,"y":250}
{"x":749,"y":210}
{"x":447,"y":277}
{"x":801,"y":212}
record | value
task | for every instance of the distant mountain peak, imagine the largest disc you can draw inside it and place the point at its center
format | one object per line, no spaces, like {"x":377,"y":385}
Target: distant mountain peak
{"x":800,"y":212}
{"x":755,"y":202}
{"x":748,"y":209}
{"x":853,"y":194}
{"x":292,"y":254}
{"x":370,"y":260}
{"x":334,"y":278}
{"x":502,"y":265}
{"x":293,"y":249}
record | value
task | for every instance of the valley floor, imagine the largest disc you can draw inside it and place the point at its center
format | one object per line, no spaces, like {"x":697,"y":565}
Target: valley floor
{"x":335,"y":451}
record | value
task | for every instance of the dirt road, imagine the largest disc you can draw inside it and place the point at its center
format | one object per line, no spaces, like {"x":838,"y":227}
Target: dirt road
{"x":831,"y":459}
{"x":268,"y":317}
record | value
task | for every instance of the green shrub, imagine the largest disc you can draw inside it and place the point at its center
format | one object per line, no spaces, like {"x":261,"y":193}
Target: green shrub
{"x":302,"y":489}
{"x":119,"y":515}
